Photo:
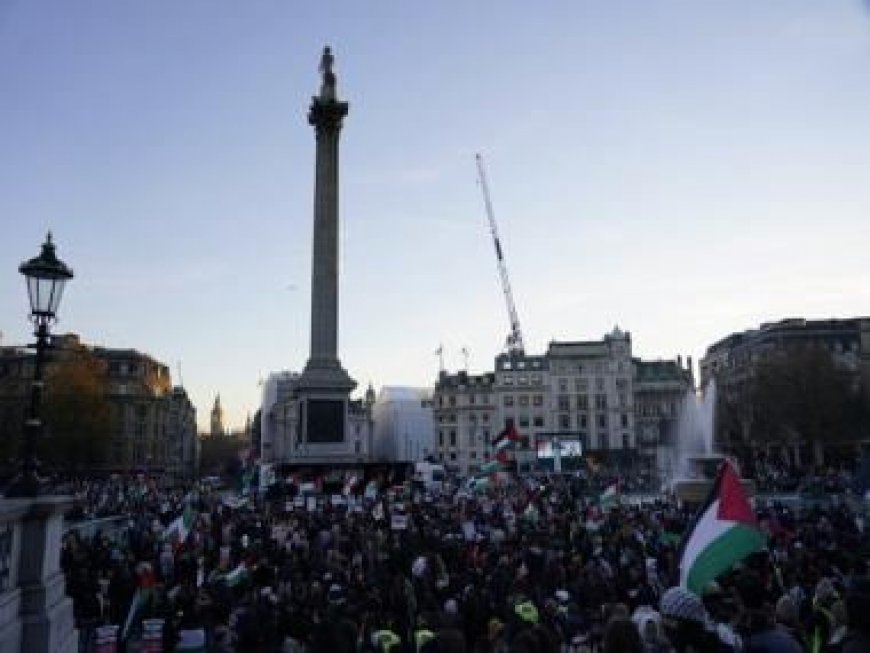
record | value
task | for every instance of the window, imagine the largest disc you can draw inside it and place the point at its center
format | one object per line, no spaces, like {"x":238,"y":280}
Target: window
{"x":536,"y":379}
{"x":472,"y":399}
{"x":538,"y":400}
{"x":524,"y":421}
{"x":582,"y":402}
{"x":486,"y":435}
{"x":523,"y":380}
{"x":564,"y":422}
{"x":601,"y":402}
{"x":599,"y":384}
{"x":521,"y":365}
{"x":508,"y":400}
{"x":524,"y":400}
{"x":473,"y":455}
{"x":452,"y":438}
{"x":564,"y":403}
{"x":451,"y":400}
{"x":624,"y":420}
{"x":453,"y":456}
{"x":626,"y":441}
{"x":581,"y":385}
{"x":485,"y":417}
{"x":602,"y":421}
{"x":582,"y":420}
{"x":539,"y":421}
{"x":602,"y":440}
{"x":472,"y":418}
{"x":357,"y":446}
{"x":508,"y":379}
{"x":563,"y":385}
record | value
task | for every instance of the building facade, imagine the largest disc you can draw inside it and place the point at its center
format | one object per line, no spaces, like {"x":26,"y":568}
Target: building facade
{"x":589,"y":399}
{"x":465,"y":420}
{"x":732,"y":363}
{"x":660,"y":389}
{"x":138,"y":390}
{"x":181,"y":437}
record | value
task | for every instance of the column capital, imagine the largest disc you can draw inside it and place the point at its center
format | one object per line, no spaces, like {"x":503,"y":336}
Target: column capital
{"x":326,"y":114}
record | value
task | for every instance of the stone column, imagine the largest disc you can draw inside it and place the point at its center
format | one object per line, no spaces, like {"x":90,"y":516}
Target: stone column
{"x":325,"y":116}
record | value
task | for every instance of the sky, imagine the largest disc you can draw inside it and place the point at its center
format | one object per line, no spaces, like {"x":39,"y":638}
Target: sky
{"x":681,"y":169}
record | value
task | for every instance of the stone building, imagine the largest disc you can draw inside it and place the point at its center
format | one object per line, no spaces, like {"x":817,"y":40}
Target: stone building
{"x":403,"y":423}
{"x":139,"y":391}
{"x":732,"y":361}
{"x":660,"y":389}
{"x":466,"y":420}
{"x":181,"y":436}
{"x":586,"y":397}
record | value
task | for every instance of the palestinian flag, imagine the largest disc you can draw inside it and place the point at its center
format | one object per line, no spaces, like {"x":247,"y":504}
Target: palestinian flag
{"x":180,"y":528}
{"x":610,"y":496}
{"x":508,"y":438}
{"x":725,"y":531}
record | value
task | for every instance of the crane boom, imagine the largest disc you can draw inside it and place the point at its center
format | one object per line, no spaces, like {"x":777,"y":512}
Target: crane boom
{"x":514,"y":342}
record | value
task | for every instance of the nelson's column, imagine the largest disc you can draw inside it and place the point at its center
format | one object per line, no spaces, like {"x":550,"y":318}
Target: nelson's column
{"x":323,"y":389}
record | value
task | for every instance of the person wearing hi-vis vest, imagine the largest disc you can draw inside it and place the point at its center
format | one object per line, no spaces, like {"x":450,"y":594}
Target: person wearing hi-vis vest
{"x":422,"y":636}
{"x":385,"y":641}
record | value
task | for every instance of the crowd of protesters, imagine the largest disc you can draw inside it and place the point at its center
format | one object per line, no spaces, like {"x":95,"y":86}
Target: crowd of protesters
{"x":526,"y":566}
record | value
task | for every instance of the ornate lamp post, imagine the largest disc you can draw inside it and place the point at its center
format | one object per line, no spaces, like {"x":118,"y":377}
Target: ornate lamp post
{"x":46,"y":276}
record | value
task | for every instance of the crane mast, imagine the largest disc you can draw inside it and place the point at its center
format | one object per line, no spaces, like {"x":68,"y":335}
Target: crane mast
{"x":514,"y":343}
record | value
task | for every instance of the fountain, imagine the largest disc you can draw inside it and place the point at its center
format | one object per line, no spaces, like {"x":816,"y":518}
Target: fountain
{"x":694,"y":463}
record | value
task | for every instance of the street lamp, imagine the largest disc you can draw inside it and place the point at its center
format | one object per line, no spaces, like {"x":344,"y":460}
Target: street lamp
{"x":46,"y":276}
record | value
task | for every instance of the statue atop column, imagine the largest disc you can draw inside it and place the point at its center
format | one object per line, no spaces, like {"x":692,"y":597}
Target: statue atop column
{"x":327,"y":86}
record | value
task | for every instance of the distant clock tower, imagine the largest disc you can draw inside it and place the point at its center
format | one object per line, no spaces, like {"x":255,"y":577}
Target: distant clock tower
{"x":217,"y":418}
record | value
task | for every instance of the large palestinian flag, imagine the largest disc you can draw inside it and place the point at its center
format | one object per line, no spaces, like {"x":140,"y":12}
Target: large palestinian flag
{"x":725,"y":531}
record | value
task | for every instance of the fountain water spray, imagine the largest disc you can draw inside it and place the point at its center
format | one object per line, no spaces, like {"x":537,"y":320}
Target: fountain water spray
{"x":694,"y":433}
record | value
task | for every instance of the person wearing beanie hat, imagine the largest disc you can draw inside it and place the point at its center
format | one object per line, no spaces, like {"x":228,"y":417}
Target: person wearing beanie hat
{"x":680,"y":604}
{"x":684,"y":620}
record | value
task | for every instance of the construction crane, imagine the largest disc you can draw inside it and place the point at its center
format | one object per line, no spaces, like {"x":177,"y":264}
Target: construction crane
{"x":514,"y":342}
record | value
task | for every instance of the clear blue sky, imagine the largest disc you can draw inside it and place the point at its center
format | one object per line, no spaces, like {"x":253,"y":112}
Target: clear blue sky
{"x":683,"y":169}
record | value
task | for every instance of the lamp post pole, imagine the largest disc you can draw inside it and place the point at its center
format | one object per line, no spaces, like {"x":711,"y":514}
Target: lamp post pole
{"x":46,"y":276}
{"x":28,"y":484}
